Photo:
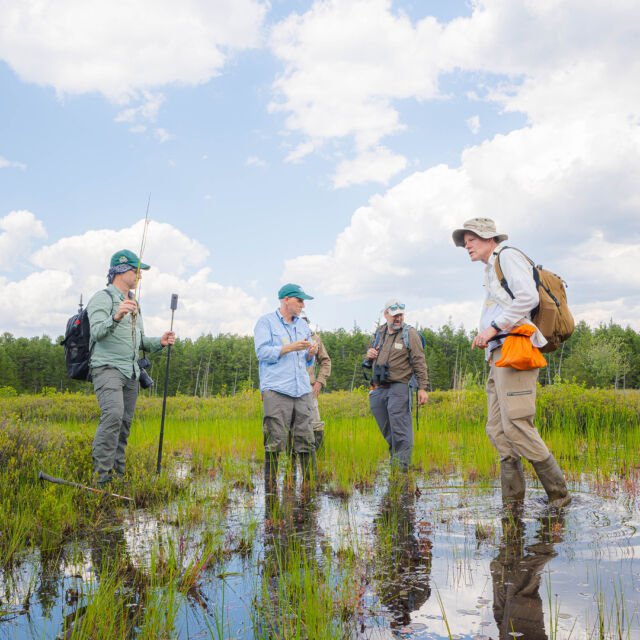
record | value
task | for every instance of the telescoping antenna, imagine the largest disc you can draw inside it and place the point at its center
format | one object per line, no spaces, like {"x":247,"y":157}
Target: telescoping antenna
{"x":174,"y":306}
{"x":137,"y":288}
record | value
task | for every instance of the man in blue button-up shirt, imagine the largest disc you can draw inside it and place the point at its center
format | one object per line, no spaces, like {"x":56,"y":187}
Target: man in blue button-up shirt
{"x":284,"y":350}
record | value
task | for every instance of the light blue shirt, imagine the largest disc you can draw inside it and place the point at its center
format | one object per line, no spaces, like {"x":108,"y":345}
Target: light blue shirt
{"x":285,"y":374}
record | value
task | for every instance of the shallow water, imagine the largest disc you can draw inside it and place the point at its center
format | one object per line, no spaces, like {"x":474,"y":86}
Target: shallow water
{"x":438,"y":562}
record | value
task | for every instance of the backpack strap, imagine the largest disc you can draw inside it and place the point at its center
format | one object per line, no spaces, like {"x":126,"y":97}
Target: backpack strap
{"x":405,"y":339}
{"x":91,"y":342}
{"x":376,"y":339}
{"x":413,"y":382}
{"x":500,"y":274}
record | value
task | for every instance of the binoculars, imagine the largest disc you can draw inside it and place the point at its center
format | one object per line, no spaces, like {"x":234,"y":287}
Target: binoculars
{"x":380,"y":373}
{"x":144,"y":378}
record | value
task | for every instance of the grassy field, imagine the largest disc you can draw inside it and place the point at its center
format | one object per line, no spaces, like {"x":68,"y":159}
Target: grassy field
{"x":592,"y":433}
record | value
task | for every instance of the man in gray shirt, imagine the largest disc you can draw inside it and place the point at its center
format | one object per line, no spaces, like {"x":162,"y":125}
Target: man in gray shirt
{"x":117,"y":335}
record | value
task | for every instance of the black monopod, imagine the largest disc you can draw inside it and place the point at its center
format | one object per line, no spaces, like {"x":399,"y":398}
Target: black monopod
{"x":174,"y":306}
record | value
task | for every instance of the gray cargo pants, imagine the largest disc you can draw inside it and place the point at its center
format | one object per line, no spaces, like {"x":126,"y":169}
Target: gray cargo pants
{"x":390,"y":408}
{"x":283,"y":413}
{"x":117,"y":397}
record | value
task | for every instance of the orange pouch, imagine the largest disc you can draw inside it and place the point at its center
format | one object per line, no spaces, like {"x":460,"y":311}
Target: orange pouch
{"x":518,"y":352}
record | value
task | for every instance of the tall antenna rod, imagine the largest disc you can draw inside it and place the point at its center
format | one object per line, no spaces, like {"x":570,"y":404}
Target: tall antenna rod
{"x":138,"y":287}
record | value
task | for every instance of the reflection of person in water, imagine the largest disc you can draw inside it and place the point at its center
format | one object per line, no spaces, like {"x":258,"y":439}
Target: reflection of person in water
{"x":110,"y":560}
{"x":290,"y":531}
{"x":403,"y":551}
{"x":517,"y":572}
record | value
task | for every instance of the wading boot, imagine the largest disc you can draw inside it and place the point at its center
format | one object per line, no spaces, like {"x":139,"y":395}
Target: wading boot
{"x":318,"y":435}
{"x":292,"y":470}
{"x":553,"y":482}
{"x":308,"y":464}
{"x":270,"y":472}
{"x":512,"y":480}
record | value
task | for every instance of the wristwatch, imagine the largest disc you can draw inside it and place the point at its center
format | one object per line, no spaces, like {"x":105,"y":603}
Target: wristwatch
{"x":495,"y":326}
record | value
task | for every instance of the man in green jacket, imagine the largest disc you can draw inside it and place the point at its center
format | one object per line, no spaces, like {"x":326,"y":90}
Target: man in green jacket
{"x":117,"y":335}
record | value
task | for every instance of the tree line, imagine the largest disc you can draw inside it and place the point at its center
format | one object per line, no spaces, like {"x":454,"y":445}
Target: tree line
{"x":224,"y":364}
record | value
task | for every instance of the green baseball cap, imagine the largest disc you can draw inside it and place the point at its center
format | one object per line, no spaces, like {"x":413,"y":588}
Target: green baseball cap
{"x":293,"y":291}
{"x":127,"y":257}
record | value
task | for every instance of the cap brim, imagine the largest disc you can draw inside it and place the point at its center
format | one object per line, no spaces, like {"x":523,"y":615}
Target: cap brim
{"x":144,"y":266}
{"x":397,"y":312}
{"x":303,"y":296}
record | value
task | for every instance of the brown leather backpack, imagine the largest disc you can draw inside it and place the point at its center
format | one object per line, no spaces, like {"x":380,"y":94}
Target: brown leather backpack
{"x":552,"y":315}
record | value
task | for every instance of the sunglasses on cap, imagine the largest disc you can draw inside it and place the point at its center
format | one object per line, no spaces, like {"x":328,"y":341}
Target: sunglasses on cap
{"x":395,"y":307}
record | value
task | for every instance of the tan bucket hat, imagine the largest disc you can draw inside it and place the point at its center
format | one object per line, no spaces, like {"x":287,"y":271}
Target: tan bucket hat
{"x":483,"y":227}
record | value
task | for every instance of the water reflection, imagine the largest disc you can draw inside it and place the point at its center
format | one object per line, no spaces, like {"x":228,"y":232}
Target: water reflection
{"x":289,"y":547}
{"x":111,"y":566}
{"x":316,"y":566}
{"x":517,"y":572}
{"x":403,"y":554}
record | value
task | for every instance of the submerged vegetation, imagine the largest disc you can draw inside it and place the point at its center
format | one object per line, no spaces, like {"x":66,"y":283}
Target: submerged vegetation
{"x":202,"y":550}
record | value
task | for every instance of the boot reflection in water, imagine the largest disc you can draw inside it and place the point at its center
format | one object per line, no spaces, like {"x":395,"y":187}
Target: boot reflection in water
{"x":291,"y":532}
{"x":517,"y":572}
{"x":403,"y":550}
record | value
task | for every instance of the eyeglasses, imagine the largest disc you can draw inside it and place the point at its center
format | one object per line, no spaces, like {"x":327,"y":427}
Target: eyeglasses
{"x":395,"y":307}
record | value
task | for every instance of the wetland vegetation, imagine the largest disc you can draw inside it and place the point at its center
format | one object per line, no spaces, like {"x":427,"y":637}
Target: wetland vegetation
{"x":204,"y":553}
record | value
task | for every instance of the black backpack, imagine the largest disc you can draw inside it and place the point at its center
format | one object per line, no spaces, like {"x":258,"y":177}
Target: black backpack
{"x":76,"y":343}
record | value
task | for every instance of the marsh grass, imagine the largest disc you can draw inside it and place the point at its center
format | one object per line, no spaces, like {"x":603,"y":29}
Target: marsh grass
{"x":305,"y":594}
{"x":593,"y":433}
{"x":213,"y":451}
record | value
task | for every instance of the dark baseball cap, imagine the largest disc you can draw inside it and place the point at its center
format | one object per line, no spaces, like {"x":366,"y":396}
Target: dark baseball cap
{"x":293,"y":291}
{"x":127,"y":257}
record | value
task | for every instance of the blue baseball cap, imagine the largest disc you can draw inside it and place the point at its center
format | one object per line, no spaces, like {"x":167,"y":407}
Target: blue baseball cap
{"x":293,"y":291}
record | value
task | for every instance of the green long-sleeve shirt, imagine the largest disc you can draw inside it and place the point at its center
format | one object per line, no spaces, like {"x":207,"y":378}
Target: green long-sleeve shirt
{"x":113,"y":343}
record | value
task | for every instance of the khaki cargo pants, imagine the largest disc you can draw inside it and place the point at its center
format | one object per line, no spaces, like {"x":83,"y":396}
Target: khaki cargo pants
{"x":282,"y":414}
{"x":117,"y":396}
{"x":511,"y":408}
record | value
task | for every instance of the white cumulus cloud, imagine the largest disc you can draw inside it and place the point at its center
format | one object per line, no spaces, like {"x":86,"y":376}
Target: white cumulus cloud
{"x":566,"y":187}
{"x":77,"y":265}
{"x":345,"y":61}
{"x":123,"y":47}
{"x":17,"y":229}
{"x":348,"y":64}
{"x":378,"y":165}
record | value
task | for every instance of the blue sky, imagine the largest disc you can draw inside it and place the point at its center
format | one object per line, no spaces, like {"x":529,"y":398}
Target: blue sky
{"x":333,"y":143}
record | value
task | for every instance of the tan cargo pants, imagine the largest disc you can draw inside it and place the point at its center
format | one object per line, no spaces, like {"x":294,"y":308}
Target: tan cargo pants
{"x":511,"y":408}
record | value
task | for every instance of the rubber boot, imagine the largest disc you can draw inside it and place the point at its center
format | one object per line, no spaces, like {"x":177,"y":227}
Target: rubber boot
{"x":318,"y":435}
{"x":308,"y":464}
{"x":553,"y":482}
{"x":512,"y":479}
{"x":270,"y":472}
{"x":293,"y":461}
